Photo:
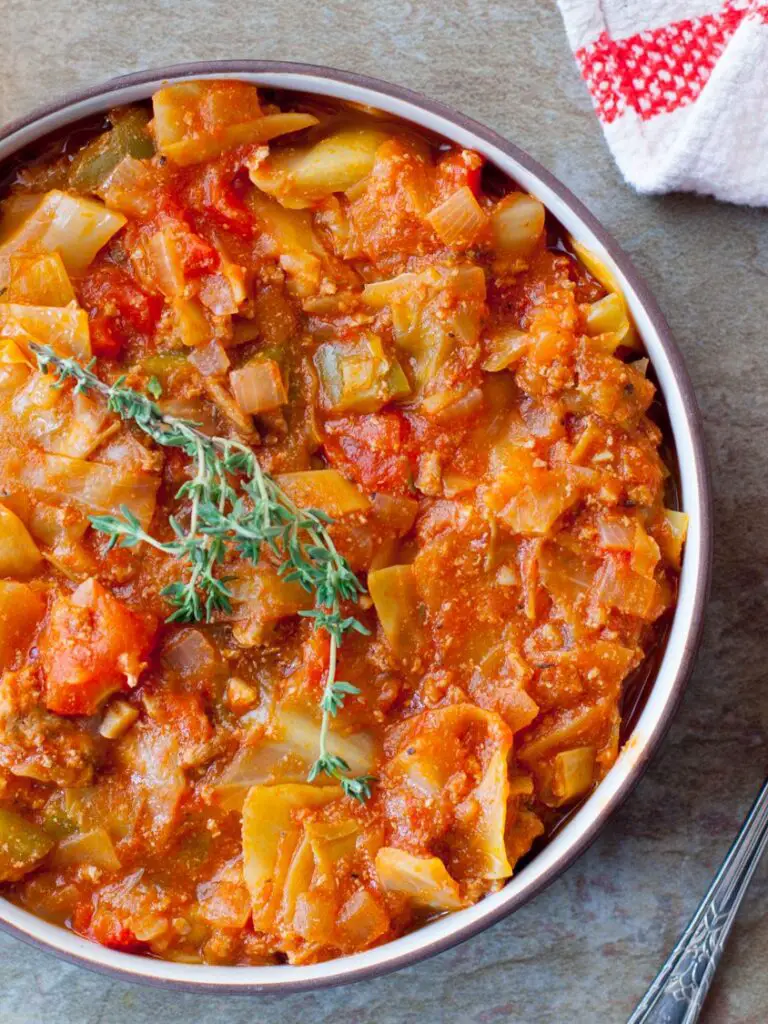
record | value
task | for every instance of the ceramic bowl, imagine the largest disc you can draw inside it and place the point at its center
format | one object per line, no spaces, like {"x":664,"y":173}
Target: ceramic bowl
{"x":663,"y":692}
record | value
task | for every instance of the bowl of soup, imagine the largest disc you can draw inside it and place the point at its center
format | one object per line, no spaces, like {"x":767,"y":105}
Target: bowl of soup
{"x":354,"y":527}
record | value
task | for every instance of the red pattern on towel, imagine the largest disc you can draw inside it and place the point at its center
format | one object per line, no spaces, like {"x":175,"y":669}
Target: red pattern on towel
{"x":659,"y":70}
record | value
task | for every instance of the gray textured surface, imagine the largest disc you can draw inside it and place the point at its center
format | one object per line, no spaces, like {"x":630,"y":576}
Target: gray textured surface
{"x":586,"y":949}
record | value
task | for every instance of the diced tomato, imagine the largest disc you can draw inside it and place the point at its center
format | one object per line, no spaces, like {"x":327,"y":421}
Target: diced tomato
{"x":91,"y":646}
{"x":169,"y":205}
{"x":104,"y":926}
{"x":456,"y":169}
{"x":217,"y":191}
{"x":107,"y":929}
{"x":198,"y":256}
{"x":372,"y":449}
{"x":106,"y":340}
{"x":118,"y":308}
{"x":111,"y":284}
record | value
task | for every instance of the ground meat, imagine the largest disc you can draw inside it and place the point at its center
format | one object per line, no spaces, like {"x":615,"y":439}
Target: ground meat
{"x":37,"y":744}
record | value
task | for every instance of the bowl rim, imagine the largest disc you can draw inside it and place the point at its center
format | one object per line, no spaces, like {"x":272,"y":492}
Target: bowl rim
{"x":688,"y":622}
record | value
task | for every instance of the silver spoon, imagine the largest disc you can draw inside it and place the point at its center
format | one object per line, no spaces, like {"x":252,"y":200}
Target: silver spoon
{"x":680,"y":988}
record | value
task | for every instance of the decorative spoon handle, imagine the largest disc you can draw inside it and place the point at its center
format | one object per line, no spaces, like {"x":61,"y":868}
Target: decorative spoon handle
{"x":677,"y":994}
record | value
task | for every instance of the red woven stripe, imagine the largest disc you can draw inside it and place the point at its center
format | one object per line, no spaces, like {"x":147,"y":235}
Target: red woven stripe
{"x":658,"y":71}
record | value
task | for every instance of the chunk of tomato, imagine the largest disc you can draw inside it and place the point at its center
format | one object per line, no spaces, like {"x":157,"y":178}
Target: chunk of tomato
{"x":118,"y":309}
{"x":373,"y":449}
{"x":218,"y":191}
{"x":456,"y":169}
{"x":91,"y":646}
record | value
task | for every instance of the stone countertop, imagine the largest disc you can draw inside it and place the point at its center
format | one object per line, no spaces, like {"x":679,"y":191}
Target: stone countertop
{"x":586,"y":949}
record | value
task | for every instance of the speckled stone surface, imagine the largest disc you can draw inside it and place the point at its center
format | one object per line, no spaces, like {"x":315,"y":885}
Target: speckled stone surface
{"x":585,"y":950}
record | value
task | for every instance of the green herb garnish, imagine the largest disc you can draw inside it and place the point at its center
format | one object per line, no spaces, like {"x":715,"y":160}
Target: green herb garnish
{"x":220,"y":518}
{"x":154,"y":387}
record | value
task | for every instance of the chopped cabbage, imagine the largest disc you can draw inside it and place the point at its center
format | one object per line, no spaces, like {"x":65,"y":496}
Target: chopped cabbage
{"x":21,"y":609}
{"x":300,"y":177}
{"x":23,"y":845}
{"x":271,"y":834}
{"x":324,"y":489}
{"x":423,"y":880}
{"x":71,"y":225}
{"x":19,"y":555}
{"x":63,"y":328}
{"x":39,"y":281}
{"x":197,"y":121}
{"x":398,"y":604}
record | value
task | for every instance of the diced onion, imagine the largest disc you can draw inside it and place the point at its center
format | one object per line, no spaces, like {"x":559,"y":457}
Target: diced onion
{"x":191,"y":656}
{"x":618,"y":586}
{"x":517,"y":225}
{"x":211,"y":360}
{"x":118,"y":718}
{"x":129,"y":188}
{"x":258,"y":386}
{"x":459,"y":219}
{"x":224,"y":292}
{"x":165,"y":252}
{"x":228,"y":407}
{"x":361,"y":920}
{"x":641,"y":365}
{"x":224,"y":901}
{"x":645,"y":552}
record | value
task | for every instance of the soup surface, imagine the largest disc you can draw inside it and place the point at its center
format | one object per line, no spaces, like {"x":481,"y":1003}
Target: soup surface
{"x":332,"y":523}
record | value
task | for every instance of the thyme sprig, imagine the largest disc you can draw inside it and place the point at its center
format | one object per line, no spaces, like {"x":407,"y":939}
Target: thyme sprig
{"x":220,"y":518}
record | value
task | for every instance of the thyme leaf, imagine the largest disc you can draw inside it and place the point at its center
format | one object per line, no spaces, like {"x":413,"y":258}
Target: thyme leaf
{"x":256,"y":514}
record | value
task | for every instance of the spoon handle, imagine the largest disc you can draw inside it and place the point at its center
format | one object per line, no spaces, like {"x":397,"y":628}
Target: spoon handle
{"x":677,"y":994}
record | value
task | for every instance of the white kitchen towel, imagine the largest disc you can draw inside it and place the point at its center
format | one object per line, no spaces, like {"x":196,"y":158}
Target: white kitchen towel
{"x":681,"y":90}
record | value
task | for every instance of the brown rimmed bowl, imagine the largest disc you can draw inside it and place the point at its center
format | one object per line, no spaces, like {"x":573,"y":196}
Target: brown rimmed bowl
{"x":663,"y":693}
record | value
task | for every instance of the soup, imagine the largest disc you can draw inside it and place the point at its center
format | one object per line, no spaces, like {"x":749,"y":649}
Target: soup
{"x":333,"y":520}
